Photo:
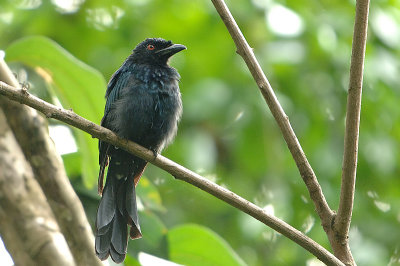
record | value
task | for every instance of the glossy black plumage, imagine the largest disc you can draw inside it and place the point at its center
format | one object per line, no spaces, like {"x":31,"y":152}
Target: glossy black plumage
{"x":143,"y":105}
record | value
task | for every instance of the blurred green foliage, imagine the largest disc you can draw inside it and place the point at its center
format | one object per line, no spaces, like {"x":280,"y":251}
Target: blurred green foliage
{"x":185,"y":251}
{"x":61,"y":69}
{"x":227,"y":132}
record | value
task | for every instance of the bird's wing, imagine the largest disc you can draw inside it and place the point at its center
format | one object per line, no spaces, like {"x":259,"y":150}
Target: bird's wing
{"x":114,"y":87}
{"x":113,"y":80}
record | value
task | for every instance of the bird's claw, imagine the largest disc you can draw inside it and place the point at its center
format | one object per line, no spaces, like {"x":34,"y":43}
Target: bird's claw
{"x":155,"y":153}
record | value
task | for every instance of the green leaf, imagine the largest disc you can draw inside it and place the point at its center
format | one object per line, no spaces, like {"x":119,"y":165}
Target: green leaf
{"x":149,"y":195}
{"x":196,"y":245}
{"x":131,"y":261}
{"x":74,"y":83}
{"x":153,"y":229}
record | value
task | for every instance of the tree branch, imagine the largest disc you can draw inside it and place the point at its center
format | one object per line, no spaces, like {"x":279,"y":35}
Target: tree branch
{"x":27,"y":224}
{"x":171,"y":167}
{"x":343,"y":218}
{"x":31,"y":132}
{"x":306,"y":172}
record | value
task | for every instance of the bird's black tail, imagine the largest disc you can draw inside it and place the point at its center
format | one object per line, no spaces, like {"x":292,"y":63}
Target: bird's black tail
{"x":117,"y":209}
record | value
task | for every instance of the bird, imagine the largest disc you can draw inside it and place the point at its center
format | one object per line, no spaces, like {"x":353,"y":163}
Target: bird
{"x":143,"y":104}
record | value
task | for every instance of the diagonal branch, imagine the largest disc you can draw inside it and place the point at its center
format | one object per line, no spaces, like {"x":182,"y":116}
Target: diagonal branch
{"x":342,"y":221}
{"x":306,"y":172}
{"x":171,"y":167}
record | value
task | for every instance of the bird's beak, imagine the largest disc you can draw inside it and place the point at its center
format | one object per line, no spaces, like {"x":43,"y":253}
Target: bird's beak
{"x":171,"y":50}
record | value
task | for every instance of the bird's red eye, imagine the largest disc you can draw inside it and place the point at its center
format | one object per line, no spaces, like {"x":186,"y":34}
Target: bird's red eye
{"x":150,"y":47}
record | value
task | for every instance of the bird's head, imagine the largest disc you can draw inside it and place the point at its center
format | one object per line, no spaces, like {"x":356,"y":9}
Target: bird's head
{"x":155,"y":51}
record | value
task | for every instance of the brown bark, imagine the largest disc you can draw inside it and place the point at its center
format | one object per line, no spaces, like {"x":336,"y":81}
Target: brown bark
{"x":31,"y":132}
{"x":27,"y":225}
{"x":340,"y":231}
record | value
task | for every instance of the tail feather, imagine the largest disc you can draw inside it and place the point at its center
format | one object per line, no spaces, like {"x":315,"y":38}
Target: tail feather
{"x":117,"y":209}
{"x":106,"y":210}
{"x":135,"y":233}
{"x":111,"y":225}
{"x":121,"y":194}
{"x":105,"y":229}
{"x":103,"y":256}
{"x":119,"y":239}
{"x":132,"y":214}
{"x":103,"y":161}
{"x":117,"y":257}
{"x":103,"y":243}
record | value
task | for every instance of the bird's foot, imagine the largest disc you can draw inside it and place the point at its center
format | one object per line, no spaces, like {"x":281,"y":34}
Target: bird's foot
{"x":155,"y":153}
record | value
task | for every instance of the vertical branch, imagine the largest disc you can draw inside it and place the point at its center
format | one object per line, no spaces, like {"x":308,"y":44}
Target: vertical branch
{"x":27,"y":225}
{"x":305,"y":169}
{"x":30,"y":130}
{"x":343,"y":218}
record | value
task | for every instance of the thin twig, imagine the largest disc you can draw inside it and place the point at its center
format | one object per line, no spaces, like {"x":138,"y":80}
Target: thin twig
{"x":343,"y":218}
{"x":306,"y":172}
{"x":173,"y":168}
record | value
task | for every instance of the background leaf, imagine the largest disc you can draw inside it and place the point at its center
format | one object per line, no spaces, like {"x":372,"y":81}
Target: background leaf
{"x":77,"y":86}
{"x":149,"y":194}
{"x":196,"y":245}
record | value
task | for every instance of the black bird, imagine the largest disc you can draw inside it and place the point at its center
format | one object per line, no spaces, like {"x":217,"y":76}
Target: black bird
{"x":143,"y":105}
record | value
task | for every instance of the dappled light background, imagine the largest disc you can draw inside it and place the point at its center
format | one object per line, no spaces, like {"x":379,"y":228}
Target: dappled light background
{"x":227,"y":133}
